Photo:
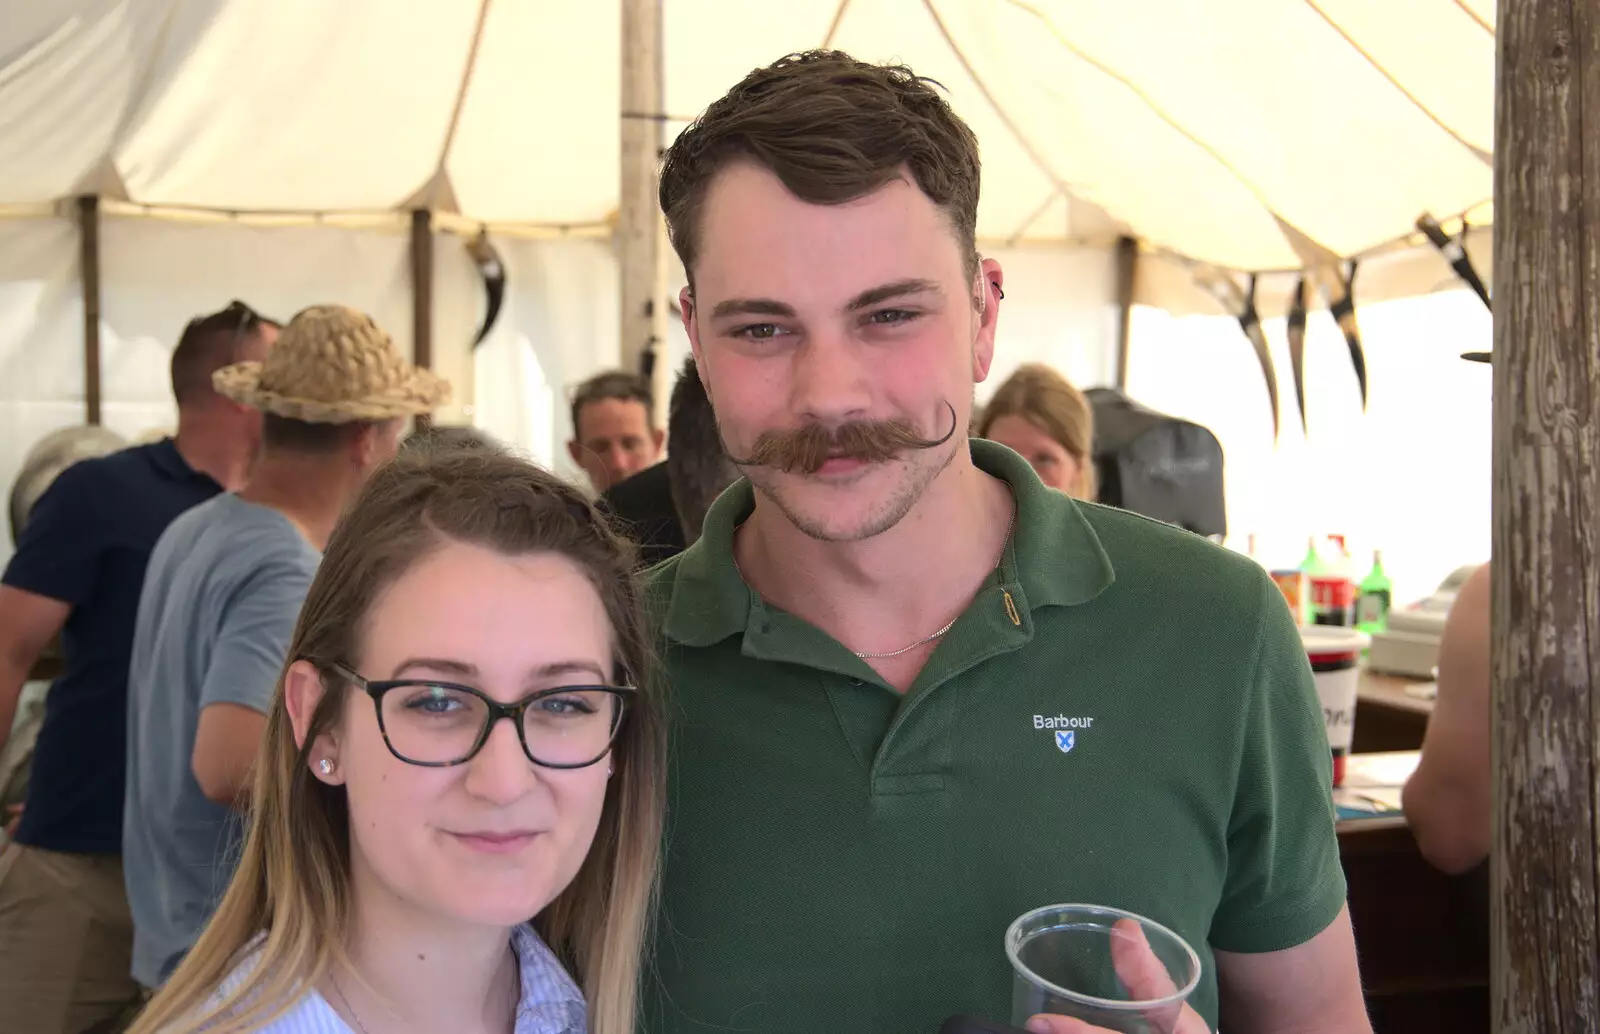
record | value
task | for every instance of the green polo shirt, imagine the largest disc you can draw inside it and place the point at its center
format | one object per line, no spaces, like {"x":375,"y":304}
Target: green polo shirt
{"x":1138,"y":728}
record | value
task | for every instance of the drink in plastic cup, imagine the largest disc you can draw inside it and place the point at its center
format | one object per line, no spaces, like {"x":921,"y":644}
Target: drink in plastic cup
{"x":1107,"y":967}
{"x":1335,"y":655}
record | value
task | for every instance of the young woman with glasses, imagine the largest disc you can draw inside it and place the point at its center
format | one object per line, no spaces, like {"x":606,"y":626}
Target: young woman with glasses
{"x":465,"y":740}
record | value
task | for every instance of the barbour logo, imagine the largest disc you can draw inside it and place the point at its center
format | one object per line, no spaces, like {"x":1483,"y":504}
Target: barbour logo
{"x":1061,"y":721}
{"x":1063,"y":729}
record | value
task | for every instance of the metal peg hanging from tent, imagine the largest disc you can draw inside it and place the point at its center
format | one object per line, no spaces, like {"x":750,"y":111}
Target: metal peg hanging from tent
{"x":1297,"y":346}
{"x":1454,"y":249}
{"x":1340,"y":294}
{"x":493,"y":270}
{"x":1241,"y":305}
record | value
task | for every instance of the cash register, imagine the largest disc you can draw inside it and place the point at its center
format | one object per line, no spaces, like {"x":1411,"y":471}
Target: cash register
{"x":1410,"y":645}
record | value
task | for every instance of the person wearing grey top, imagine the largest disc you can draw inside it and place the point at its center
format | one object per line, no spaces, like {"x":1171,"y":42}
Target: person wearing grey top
{"x":219,"y":603}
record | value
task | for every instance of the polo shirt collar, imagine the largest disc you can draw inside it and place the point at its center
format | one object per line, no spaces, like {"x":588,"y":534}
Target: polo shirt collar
{"x":1054,"y":557}
{"x":1058,"y":559}
{"x":710,"y":600}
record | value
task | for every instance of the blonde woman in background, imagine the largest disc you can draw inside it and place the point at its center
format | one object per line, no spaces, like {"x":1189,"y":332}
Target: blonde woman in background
{"x":402,"y":835}
{"x":1037,"y":414}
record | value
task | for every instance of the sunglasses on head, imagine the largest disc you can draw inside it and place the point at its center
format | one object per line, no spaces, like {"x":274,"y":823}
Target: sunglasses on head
{"x":241,"y":316}
{"x":236,"y":315}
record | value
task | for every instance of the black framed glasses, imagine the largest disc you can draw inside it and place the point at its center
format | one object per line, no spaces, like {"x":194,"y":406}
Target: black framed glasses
{"x":439,"y":724}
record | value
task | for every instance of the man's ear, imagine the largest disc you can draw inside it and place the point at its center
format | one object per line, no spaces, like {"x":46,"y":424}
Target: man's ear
{"x":987,"y":295}
{"x":363,"y":444}
{"x":690,"y":326}
{"x":576,"y":452}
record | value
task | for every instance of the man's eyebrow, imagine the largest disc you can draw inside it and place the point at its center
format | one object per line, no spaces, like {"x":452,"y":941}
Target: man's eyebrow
{"x":899,"y":289}
{"x":751,"y":307}
{"x":865,"y":300}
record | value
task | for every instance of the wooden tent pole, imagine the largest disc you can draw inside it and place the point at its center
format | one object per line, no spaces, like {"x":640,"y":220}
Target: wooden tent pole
{"x":1127,"y":274}
{"x":89,"y":279}
{"x":640,"y":241}
{"x":1546,"y":582}
{"x":422,"y":294}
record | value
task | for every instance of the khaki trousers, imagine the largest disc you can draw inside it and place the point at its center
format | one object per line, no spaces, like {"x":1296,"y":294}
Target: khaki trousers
{"x":66,"y":941}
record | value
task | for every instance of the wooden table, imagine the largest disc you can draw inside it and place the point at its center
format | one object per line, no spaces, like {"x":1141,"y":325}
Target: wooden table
{"x":1423,"y":936}
{"x":1387,"y":717}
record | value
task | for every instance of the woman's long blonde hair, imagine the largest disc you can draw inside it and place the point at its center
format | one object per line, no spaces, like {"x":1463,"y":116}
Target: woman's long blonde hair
{"x":289,"y":902}
{"x":1048,"y":401}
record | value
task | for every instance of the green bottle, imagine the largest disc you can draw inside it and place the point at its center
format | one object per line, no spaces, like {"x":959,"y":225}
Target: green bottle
{"x":1376,"y":595}
{"x":1312,"y":564}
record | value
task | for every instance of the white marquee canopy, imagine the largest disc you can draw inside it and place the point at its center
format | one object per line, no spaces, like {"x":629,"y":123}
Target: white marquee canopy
{"x":1249,"y":134}
{"x":271,"y":149}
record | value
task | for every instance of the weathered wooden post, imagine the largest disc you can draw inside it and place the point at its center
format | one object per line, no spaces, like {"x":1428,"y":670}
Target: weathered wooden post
{"x":422,"y":296}
{"x":640,"y":243}
{"x":88,"y":208}
{"x":1546,"y":580}
{"x":1127,"y":255}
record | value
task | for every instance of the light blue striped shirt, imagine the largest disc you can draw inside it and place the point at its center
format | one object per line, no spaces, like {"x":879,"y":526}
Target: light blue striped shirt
{"x":550,"y":1001}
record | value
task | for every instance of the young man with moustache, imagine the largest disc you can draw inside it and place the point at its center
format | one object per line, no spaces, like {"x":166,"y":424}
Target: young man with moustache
{"x":916,"y":693}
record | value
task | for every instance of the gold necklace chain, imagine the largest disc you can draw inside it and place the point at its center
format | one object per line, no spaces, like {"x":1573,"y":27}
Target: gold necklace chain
{"x":347,"y":1006}
{"x":362,"y":1027}
{"x":905,"y":649}
{"x":925,"y":640}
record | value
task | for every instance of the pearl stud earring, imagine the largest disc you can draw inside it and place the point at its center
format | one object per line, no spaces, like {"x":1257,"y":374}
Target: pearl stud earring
{"x":325,"y":766}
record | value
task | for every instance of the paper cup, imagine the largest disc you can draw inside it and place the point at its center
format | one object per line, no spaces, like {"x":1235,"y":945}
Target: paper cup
{"x":1335,"y":655}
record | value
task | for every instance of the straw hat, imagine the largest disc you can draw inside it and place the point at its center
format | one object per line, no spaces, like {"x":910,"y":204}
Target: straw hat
{"x":333,"y":365}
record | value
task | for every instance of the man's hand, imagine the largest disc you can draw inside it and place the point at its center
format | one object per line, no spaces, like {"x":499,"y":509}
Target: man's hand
{"x":1146,"y":979}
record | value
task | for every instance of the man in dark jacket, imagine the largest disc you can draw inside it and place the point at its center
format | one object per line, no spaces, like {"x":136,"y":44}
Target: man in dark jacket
{"x":664,"y":505}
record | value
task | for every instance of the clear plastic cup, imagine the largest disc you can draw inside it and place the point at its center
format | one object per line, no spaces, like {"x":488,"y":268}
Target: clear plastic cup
{"x":1104,"y":966}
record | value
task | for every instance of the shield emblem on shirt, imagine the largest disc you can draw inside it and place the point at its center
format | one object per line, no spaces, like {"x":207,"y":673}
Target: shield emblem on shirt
{"x":1066,"y":739}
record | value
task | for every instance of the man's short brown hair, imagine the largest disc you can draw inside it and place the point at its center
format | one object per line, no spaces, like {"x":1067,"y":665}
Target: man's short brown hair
{"x":832,"y":129}
{"x":613,"y":384}
{"x":304,"y":438}
{"x":209,"y":343}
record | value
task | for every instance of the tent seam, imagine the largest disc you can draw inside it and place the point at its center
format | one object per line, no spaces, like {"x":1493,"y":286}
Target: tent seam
{"x":137,"y":96}
{"x":1486,"y":157}
{"x":1470,"y":13}
{"x":461,"y":96}
{"x":1036,"y":215}
{"x":833,"y":26}
{"x":1143,"y":97}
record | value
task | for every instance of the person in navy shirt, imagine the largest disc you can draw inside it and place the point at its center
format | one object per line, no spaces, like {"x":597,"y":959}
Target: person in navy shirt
{"x":65,"y":931}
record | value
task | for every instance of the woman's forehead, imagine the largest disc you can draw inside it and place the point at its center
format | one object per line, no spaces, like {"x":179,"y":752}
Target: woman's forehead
{"x":501,"y":614}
